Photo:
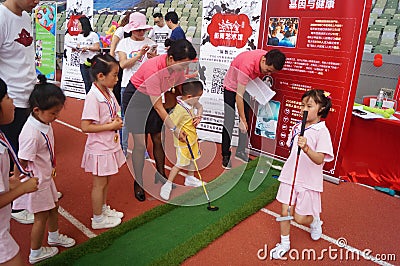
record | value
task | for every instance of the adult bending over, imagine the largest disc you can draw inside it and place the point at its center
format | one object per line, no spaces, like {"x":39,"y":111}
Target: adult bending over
{"x":145,"y":112}
{"x":245,"y":67}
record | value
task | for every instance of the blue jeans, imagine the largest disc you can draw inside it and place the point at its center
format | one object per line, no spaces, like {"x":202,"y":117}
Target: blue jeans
{"x":124,"y":133}
{"x":86,"y":77}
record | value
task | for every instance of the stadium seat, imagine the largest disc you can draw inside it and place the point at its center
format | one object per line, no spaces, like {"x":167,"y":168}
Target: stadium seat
{"x":381,"y":50}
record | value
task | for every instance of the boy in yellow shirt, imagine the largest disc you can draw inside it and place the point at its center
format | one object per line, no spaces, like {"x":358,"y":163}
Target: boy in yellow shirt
{"x":186,"y":116}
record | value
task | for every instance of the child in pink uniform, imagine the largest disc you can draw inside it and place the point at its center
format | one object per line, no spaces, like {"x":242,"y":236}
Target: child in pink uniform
{"x":316,"y":146}
{"x":10,"y":188}
{"x":103,"y":155}
{"x":36,"y":154}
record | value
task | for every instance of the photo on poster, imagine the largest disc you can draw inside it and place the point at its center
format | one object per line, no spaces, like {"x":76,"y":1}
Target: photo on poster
{"x":283,"y":31}
{"x":267,"y":119}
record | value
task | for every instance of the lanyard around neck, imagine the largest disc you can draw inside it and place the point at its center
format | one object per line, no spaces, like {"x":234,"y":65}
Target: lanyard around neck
{"x":13,"y":154}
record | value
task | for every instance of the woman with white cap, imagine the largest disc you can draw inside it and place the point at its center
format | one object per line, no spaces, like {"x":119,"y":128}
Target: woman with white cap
{"x":132,"y":52}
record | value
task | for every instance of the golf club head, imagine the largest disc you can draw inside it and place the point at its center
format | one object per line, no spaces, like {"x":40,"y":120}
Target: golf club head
{"x":212,"y":208}
{"x":284,"y":218}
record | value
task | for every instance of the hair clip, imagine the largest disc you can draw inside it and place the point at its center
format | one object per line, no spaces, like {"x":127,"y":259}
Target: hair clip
{"x":327,"y":94}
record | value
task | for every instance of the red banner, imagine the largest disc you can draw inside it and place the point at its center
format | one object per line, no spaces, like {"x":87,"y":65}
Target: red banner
{"x":323,"y":42}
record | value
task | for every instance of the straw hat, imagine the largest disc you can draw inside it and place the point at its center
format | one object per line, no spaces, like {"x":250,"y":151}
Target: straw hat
{"x":137,"y":21}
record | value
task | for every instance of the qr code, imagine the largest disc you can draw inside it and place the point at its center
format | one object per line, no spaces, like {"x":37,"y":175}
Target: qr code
{"x":217,"y":80}
{"x":74,"y":59}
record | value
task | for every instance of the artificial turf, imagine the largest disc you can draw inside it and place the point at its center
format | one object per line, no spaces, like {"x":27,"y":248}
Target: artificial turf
{"x":169,"y":234}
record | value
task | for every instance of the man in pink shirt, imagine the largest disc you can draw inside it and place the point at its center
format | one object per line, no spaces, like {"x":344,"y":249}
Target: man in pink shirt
{"x":245,"y":67}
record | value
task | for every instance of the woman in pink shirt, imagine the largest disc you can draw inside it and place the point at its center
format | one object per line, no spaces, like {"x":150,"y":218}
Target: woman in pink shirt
{"x":145,"y":112}
{"x":317,"y":149}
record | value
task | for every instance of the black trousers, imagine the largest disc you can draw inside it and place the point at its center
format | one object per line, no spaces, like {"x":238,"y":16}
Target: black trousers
{"x":13,"y":130}
{"x":229,"y":122}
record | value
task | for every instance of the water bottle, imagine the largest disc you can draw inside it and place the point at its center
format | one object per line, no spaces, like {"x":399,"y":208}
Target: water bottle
{"x":379,"y":100}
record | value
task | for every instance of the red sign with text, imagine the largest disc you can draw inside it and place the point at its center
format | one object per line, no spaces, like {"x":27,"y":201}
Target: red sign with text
{"x":324,"y":46}
{"x":229,"y":30}
{"x":72,"y":25}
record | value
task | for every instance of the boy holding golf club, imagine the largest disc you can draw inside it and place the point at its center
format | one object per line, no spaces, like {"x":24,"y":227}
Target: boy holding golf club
{"x":301,"y":177}
{"x":186,"y":116}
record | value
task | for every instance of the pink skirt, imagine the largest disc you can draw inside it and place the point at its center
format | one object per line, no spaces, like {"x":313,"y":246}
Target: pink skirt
{"x":104,"y":164}
{"x":308,"y":202}
{"x":44,"y":199}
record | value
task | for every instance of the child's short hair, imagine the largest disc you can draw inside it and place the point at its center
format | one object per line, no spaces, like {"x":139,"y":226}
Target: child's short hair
{"x":102,"y":63}
{"x":192,"y":87}
{"x":45,"y":95}
{"x":319,"y":98}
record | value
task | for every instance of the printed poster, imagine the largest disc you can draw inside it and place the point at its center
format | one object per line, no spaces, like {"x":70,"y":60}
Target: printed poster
{"x":324,"y":47}
{"x":228,"y":28}
{"x":45,"y":39}
{"x":71,"y":80}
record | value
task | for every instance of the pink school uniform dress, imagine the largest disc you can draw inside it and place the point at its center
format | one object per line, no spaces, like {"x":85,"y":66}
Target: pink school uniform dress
{"x":103,"y":155}
{"x":309,"y":175}
{"x":9,"y":248}
{"x":36,"y":145}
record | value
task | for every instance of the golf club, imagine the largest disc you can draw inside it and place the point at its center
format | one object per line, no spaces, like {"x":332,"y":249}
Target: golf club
{"x":209,"y":206}
{"x":303,"y":126}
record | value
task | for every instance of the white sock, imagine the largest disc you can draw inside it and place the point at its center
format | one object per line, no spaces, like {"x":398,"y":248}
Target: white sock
{"x":36,"y":252}
{"x":314,"y":222}
{"x":98,"y":218}
{"x":285,"y":241}
{"x":104,"y":207}
{"x":54,"y":235}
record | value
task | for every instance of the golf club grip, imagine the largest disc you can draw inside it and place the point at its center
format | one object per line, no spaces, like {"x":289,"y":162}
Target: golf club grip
{"x":190,"y":148}
{"x":303,"y":127}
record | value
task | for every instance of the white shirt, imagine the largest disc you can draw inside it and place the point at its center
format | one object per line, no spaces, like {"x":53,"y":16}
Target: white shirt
{"x":130,"y":48}
{"x":17,"y":55}
{"x":159,"y":35}
{"x":87,"y":41}
{"x":119,"y":32}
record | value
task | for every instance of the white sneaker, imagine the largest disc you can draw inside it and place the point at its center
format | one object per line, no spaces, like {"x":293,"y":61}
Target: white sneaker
{"x":59,"y":195}
{"x":108,"y":222}
{"x":316,"y":230}
{"x":45,"y":253}
{"x":279,"y":251}
{"x":191,"y":181}
{"x":165,"y":191}
{"x":63,"y":241}
{"x":23,"y":217}
{"x":112,"y":212}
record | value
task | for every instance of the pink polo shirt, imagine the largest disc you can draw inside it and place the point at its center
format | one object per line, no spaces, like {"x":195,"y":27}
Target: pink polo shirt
{"x":153,"y":77}
{"x":309,"y":174}
{"x":245,"y":67}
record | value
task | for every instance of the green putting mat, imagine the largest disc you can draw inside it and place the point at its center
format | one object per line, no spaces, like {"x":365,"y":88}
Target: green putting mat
{"x":169,"y":234}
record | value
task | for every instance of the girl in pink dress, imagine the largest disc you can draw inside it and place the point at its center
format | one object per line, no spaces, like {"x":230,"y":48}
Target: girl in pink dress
{"x":10,"y":188}
{"x":316,"y":149}
{"x":103,"y":155}
{"x":36,"y":154}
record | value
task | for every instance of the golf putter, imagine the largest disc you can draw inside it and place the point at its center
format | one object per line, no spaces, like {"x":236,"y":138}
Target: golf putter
{"x":289,"y":216}
{"x":209,"y":206}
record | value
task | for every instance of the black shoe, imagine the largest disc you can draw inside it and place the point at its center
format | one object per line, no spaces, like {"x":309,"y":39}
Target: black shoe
{"x":242,"y":156}
{"x":226,"y":162}
{"x":160,"y":178}
{"x":139,"y":192}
